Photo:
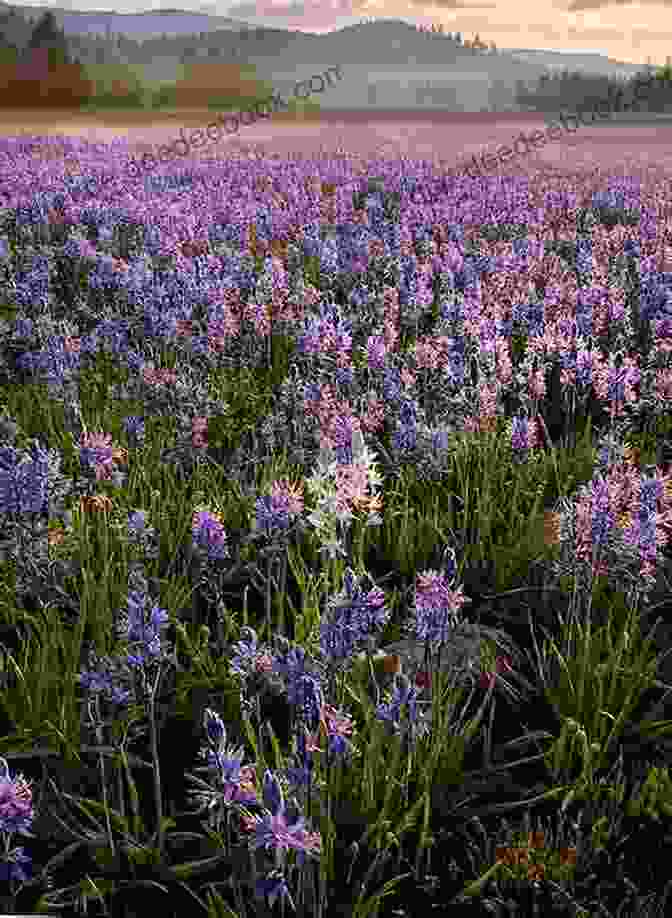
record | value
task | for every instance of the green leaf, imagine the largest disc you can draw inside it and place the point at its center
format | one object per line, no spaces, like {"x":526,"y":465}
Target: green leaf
{"x":88,"y":807}
{"x":654,"y":728}
{"x":193,"y":868}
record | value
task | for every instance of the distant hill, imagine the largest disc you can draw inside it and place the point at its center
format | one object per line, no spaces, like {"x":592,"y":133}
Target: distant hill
{"x":573,"y":60}
{"x":138,"y":26}
{"x":386,"y":64}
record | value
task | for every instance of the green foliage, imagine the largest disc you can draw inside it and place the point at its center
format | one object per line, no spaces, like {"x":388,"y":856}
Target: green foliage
{"x":117,"y":86}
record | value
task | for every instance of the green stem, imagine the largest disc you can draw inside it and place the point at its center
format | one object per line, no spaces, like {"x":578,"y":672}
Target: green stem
{"x":101,"y":759}
{"x":155,"y":759}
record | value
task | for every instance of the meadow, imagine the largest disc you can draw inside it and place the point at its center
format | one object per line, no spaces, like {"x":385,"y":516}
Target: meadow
{"x":335,"y":539}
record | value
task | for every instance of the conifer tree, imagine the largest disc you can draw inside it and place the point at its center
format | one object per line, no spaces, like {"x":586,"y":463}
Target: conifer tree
{"x":47,"y":34}
{"x":46,"y":75}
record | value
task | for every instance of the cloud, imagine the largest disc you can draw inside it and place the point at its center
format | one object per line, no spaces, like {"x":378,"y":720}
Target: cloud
{"x":455,"y":5}
{"x":599,"y":4}
{"x":307,"y":10}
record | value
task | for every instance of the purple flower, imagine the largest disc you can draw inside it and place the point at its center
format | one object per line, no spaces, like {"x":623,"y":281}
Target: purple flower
{"x":16,"y":803}
{"x":140,"y":533}
{"x":247,"y":651}
{"x":143,"y":629}
{"x":135,"y":428}
{"x":403,"y":694}
{"x":300,"y":775}
{"x":271,"y":515}
{"x":23,"y":328}
{"x":351,"y":621}
{"x":209,"y":535}
{"x":273,"y":886}
{"x":603,"y":520}
{"x":108,"y":678}
{"x":214,"y":728}
{"x":522,"y":434}
{"x":23,"y":482}
{"x":280,"y":829}
{"x":237,"y":780}
{"x":13,"y":867}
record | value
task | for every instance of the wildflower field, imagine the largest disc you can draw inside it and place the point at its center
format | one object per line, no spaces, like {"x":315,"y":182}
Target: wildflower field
{"x":335,"y":540}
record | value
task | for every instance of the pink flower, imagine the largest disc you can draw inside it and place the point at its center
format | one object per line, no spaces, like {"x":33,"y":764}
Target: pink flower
{"x":102,"y":458}
{"x":288,"y":495}
{"x":72,"y":345}
{"x":160,"y":377}
{"x":423,"y":679}
{"x":199,"y":432}
{"x":502,"y":665}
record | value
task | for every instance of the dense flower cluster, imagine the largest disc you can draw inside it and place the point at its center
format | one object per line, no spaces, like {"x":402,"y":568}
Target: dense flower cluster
{"x":383,"y":360}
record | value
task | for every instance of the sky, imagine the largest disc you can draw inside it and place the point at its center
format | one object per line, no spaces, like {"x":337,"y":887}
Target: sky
{"x":629,"y":32}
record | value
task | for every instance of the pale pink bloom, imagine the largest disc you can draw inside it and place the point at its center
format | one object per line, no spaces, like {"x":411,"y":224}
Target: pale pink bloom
{"x":603,"y":373}
{"x":426,"y":354}
{"x":374,"y":418}
{"x":291,"y":495}
{"x":352,"y":482}
{"x":260,"y":315}
{"x":183,"y":327}
{"x":72,"y":345}
{"x":664,"y":384}
{"x":199,"y":431}
{"x":504,"y":364}
{"x":99,"y":441}
{"x":536,"y":383}
{"x":263,"y":663}
{"x":158,"y":377}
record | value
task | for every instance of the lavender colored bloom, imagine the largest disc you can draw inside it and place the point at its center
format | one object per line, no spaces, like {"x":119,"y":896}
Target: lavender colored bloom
{"x":214,"y":727}
{"x":246,"y":651}
{"x":16,"y":803}
{"x":291,"y":664}
{"x":23,"y":328}
{"x":271,"y":514}
{"x":306,"y":693}
{"x":405,"y":437}
{"x":650,"y":491}
{"x":436,"y":606}
{"x":106,"y":677}
{"x":520,"y":434}
{"x":329,"y":257}
{"x":71,"y":249}
{"x":301,"y":775}
{"x":391,"y":384}
{"x":440,"y":440}
{"x":135,"y":428}
{"x":17,"y":867}
{"x":232,"y":777}
{"x":403,"y":694}
{"x":210,"y":536}
{"x":98,"y":454}
{"x":137,"y":522}
{"x":142,"y":631}
{"x":281,"y":827}
{"x":272,"y":887}
{"x":23,"y":483}
{"x":351,"y":621}
{"x":602,"y":521}
{"x":345,"y":376}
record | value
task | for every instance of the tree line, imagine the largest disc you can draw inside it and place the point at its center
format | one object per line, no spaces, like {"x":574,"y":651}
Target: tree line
{"x":574,"y":90}
{"x":41,"y":74}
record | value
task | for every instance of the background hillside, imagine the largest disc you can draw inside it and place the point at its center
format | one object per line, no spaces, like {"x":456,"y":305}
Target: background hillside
{"x":386,"y":64}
